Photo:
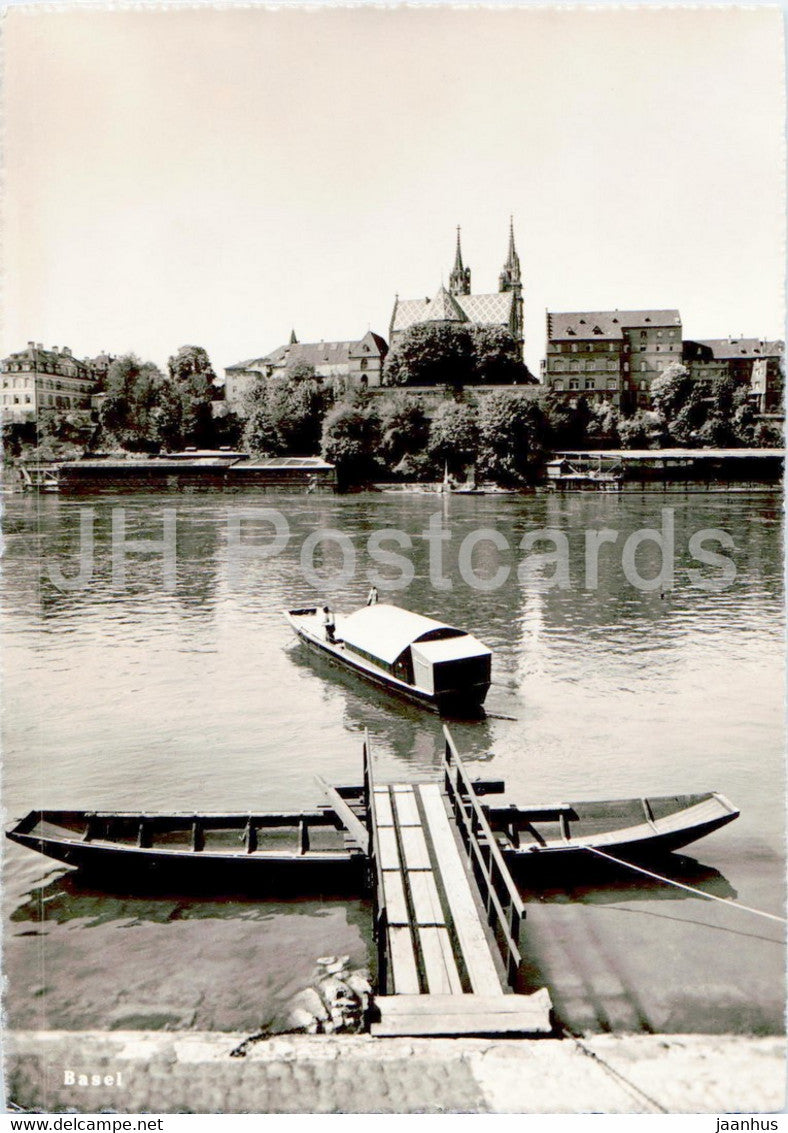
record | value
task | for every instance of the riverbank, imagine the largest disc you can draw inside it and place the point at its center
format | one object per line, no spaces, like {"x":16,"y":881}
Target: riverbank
{"x":180,"y":1072}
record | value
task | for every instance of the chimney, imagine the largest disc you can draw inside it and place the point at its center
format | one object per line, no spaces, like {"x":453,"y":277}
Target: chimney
{"x":31,"y":345}
{"x":67,"y":350}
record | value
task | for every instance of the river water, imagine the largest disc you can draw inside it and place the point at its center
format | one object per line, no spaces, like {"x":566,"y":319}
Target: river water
{"x":134,"y":696}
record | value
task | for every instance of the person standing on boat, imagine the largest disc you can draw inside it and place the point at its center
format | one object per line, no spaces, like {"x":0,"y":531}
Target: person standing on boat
{"x":329,"y":623}
{"x":372,"y":597}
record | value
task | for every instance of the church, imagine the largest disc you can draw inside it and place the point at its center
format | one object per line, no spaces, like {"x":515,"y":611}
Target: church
{"x":501,"y":308}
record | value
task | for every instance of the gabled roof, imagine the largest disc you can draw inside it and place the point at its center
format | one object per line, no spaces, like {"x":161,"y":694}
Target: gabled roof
{"x":371,"y":345}
{"x":385,"y":631}
{"x":726,"y":349}
{"x":608,"y":325}
{"x":444,"y":308}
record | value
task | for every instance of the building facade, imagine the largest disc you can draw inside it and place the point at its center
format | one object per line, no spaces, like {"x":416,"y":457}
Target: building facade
{"x":458,"y":305}
{"x":36,"y":379}
{"x":347,"y":363}
{"x":755,"y":363}
{"x":610,"y":355}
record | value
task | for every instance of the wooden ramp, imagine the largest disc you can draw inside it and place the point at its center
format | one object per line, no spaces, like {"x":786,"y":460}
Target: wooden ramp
{"x":438,"y":969}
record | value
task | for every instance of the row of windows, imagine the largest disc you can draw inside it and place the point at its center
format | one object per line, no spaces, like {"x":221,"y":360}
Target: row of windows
{"x":44,"y":400}
{"x":560,"y":366}
{"x":575,"y":347}
{"x":590,"y":383}
{"x":24,"y":383}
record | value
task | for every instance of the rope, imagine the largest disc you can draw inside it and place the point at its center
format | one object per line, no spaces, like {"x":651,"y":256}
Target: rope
{"x":688,"y":888}
{"x":616,"y":1074}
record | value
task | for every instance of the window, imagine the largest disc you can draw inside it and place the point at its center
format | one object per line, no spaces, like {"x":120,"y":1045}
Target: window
{"x":642,"y":346}
{"x":644,"y":385}
{"x":642,"y":334}
{"x":574,"y":383}
{"x":574,"y":346}
{"x":363,"y":363}
{"x":612,"y":384}
{"x":574,"y":367}
{"x":27,"y":399}
{"x":590,"y":383}
{"x":643,"y":366}
{"x":558,"y":385}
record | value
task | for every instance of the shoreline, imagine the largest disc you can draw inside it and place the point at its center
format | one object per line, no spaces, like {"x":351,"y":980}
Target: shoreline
{"x":182,"y":1072}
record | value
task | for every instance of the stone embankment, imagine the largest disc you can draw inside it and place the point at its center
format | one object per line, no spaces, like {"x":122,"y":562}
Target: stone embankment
{"x":179,"y":1072}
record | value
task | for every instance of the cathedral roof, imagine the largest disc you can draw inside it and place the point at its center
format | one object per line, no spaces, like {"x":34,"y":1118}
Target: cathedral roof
{"x":488,"y":310}
{"x":444,"y":308}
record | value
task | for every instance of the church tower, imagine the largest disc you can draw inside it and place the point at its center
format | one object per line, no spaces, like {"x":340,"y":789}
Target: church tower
{"x":460,"y":278}
{"x":510,"y":280}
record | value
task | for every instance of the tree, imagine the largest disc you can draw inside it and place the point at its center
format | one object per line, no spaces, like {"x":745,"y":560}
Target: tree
{"x":128,"y":413}
{"x":496,"y":359}
{"x":512,"y":434}
{"x":671,"y":390}
{"x":454,"y":435}
{"x":260,"y":434}
{"x":194,"y":386}
{"x":566,"y":422}
{"x":300,"y":371}
{"x":285,"y":415}
{"x":351,"y":435}
{"x":404,"y":429}
{"x":431,"y":354}
{"x":639,"y":430}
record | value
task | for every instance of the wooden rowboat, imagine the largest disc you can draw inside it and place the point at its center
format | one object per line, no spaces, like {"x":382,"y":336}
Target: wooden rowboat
{"x":251,"y":850}
{"x":438,"y":666}
{"x":564,"y":833}
{"x":325,"y":846}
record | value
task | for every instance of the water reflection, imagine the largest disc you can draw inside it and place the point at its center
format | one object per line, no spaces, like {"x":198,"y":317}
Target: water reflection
{"x":200,"y":700}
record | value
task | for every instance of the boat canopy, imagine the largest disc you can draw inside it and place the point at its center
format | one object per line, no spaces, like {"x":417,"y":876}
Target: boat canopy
{"x":386,"y":631}
{"x":451,"y":649}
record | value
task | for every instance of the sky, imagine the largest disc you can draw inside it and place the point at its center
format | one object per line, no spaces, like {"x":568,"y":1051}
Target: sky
{"x":220,"y":176}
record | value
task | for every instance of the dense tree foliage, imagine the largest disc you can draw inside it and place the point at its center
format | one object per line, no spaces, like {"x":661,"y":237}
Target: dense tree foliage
{"x":285,"y":415}
{"x":512,"y":433}
{"x":137,"y":410}
{"x":404,"y":430}
{"x":454,"y":436}
{"x":351,"y":436}
{"x":455,"y":354}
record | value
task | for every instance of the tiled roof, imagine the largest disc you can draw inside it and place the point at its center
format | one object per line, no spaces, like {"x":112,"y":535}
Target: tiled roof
{"x":729,"y":348}
{"x":408,"y":312}
{"x":444,"y":308}
{"x":606,"y":324}
{"x":494,"y":309}
{"x":316,"y":354}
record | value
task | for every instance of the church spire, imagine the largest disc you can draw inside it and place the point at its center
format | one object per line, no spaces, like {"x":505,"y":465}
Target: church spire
{"x":293,"y":339}
{"x":460,"y":278}
{"x":509,"y":279}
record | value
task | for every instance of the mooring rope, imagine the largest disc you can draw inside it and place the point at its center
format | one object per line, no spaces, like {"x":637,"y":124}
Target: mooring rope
{"x":689,"y":888}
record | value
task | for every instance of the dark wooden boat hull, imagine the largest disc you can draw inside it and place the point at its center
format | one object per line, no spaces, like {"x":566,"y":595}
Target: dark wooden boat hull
{"x":564,"y":836}
{"x":252,"y":867}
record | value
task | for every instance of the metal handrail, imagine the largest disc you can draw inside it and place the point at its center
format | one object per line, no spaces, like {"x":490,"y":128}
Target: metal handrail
{"x":502,"y":901}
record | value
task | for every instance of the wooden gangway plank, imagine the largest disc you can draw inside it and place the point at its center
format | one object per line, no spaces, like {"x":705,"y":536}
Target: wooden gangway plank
{"x":476,"y":954}
{"x":434,"y":1014}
